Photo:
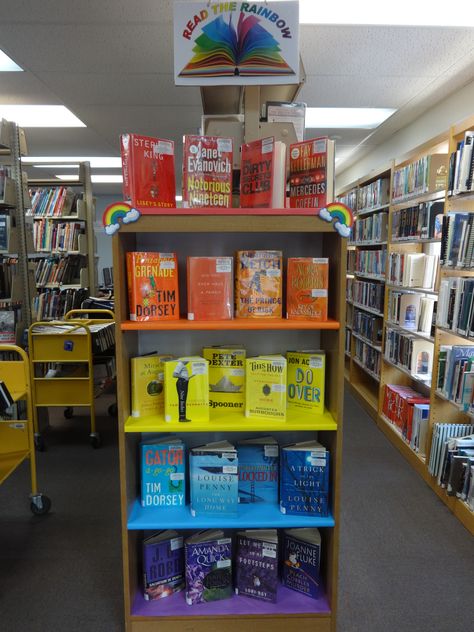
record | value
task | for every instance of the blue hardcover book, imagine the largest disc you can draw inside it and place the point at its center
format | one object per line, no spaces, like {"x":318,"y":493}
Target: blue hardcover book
{"x":455,"y":355}
{"x":258,"y":470}
{"x":214,"y":479}
{"x":304,"y":479}
{"x":163,"y":565}
{"x":301,"y":560}
{"x":162,"y":465}
{"x":257,"y":564}
{"x":208,"y":560}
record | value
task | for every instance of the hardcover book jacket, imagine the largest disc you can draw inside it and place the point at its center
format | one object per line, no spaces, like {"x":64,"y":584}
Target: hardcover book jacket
{"x":163,"y":568}
{"x":308,"y":174}
{"x":256,"y":175}
{"x":162,"y":474}
{"x":258,"y":292}
{"x":257,"y":568}
{"x":208,"y":570}
{"x":214,"y":481}
{"x":258,"y":472}
{"x":307,"y":288}
{"x":304,"y":482}
{"x":301,"y":565}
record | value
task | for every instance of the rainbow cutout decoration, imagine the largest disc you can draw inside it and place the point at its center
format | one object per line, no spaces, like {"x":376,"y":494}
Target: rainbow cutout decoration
{"x":341,"y":215}
{"x":118,"y":211}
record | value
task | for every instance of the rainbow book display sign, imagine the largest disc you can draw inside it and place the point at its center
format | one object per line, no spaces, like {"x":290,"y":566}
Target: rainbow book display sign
{"x":117,"y":213}
{"x":236,"y":43}
{"x":339,"y":215}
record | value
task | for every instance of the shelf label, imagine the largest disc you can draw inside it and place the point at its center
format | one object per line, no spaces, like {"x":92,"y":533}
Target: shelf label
{"x":176,"y":543}
{"x":223,"y":265}
{"x":270,"y":450}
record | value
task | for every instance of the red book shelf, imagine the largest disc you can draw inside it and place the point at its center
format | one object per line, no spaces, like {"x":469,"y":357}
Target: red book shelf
{"x":229,"y":325}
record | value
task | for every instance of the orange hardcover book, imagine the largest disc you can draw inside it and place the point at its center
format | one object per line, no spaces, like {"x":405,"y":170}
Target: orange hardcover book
{"x":307,"y":288}
{"x":152,"y":279}
{"x":210,"y":288}
{"x":258,"y":284}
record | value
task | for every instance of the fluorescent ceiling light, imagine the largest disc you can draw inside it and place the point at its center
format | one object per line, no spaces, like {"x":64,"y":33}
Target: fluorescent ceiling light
{"x":404,"y":13}
{"x":99,"y":179}
{"x":97,"y":162}
{"x":346,"y":118}
{"x":7,"y":64}
{"x":40,"y":116}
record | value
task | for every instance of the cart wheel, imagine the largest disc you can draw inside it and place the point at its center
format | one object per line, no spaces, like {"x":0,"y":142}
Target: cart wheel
{"x":69,"y":412}
{"x":40,"y":504}
{"x":40,"y":444}
{"x":95,"y":440}
{"x":112,"y":410}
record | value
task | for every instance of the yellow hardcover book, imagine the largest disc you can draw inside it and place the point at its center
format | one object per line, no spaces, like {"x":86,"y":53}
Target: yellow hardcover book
{"x":226,"y":377}
{"x":187,"y":389}
{"x":306,"y":373}
{"x":265,"y":387}
{"x":148,"y":384}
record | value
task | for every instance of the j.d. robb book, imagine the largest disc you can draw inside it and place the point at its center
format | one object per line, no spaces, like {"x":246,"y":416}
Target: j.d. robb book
{"x":162,"y":463}
{"x":208,"y":565}
{"x":163,"y":565}
{"x":265,"y":387}
{"x":207,"y":171}
{"x":148,"y":384}
{"x":210,"y":284}
{"x":258,"y":470}
{"x":263,"y":174}
{"x":258,"y":279}
{"x":306,"y":372}
{"x":148,"y":172}
{"x":152,"y":279}
{"x":213,"y":474}
{"x":304,"y":479}
{"x":301,"y":561}
{"x":307,"y":288}
{"x":187,"y":389}
{"x":312,"y":173}
{"x":226,"y":377}
{"x":257,"y":564}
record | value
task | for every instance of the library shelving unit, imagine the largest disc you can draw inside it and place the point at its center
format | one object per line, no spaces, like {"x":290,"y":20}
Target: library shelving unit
{"x":218,"y":234}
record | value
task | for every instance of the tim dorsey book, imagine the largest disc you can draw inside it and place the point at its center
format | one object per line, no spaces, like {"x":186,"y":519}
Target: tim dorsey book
{"x":162,"y":472}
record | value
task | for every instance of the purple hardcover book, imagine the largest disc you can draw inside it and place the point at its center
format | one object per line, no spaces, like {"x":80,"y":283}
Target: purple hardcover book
{"x":257,"y":564}
{"x":163,"y":565}
{"x":208,"y":567}
{"x":301,"y":557}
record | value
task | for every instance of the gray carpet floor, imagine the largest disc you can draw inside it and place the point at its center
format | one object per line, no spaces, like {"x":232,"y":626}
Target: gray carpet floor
{"x":406,"y":563}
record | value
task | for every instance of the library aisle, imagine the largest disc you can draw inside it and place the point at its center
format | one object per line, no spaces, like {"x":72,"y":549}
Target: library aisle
{"x":407,"y":564}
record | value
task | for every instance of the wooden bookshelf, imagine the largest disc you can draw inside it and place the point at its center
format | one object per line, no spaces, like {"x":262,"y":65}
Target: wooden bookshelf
{"x":304,"y":235}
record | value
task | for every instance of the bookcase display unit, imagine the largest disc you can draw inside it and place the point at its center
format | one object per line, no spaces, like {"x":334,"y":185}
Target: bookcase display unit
{"x":219,"y":235}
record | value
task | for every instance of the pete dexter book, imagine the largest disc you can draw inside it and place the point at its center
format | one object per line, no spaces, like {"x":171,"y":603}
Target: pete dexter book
{"x":226,"y":377}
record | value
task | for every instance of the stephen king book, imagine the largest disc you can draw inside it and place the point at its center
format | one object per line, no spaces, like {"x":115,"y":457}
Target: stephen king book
{"x":262,"y":174}
{"x":162,"y":463}
{"x":210,"y":284}
{"x":307,"y":288}
{"x":148,"y":172}
{"x":207,"y":171}
{"x":186,"y":389}
{"x":226,"y":377}
{"x":258,"y":470}
{"x":163,"y":565}
{"x":213,"y":474}
{"x":306,"y":372}
{"x":148,"y":384}
{"x":257,"y":564}
{"x":301,"y":560}
{"x":258,"y":279}
{"x":208,"y":564}
{"x":312,"y":173}
{"x":152,"y":279}
{"x":265,"y":387}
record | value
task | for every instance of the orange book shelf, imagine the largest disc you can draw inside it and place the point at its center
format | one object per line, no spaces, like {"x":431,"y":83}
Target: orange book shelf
{"x":230,"y":325}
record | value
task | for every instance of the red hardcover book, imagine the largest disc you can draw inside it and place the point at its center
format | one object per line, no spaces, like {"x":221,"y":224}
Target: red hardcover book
{"x":207,"y":172}
{"x":152,"y":280}
{"x":307,"y":288}
{"x":263,"y":174}
{"x":148,"y":172}
{"x":312,"y":173}
{"x":210,"y":288}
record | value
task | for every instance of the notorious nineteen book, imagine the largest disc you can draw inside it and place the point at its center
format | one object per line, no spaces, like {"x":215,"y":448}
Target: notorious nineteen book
{"x":207,"y":171}
{"x":262,"y":174}
{"x":152,"y":279}
{"x":163,"y":565}
{"x":148,"y":172}
{"x":307,"y":288}
{"x":312,"y":173}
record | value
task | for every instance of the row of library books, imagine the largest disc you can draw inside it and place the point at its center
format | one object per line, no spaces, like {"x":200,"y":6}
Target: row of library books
{"x":452,"y":460}
{"x":371,"y":228}
{"x":56,"y":303}
{"x":367,"y":356}
{"x":223,"y":476}
{"x":258,"y":281}
{"x":425,"y":175}
{"x":366,"y":293}
{"x":149,"y":172}
{"x":411,"y":310}
{"x":58,"y":271}
{"x":53,"y":202}
{"x":369,"y":262}
{"x":413,"y":269}
{"x":423,"y":221}
{"x":57,"y":236}
{"x":456,"y":305}
{"x":409,"y":352}
{"x":457,"y":241}
{"x":209,"y":565}
{"x":456,"y":374}
{"x":408,"y":411}
{"x":367,"y":326}
{"x":8,"y":272}
{"x":186,"y":389}
{"x":374,"y":194}
{"x":461,"y":166}
{"x":349,"y":199}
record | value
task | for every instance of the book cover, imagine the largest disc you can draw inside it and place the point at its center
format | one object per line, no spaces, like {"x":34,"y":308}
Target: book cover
{"x":226,"y":377}
{"x":304,"y":479}
{"x":7,"y":327}
{"x":312,"y":173}
{"x":258,"y":470}
{"x":208,"y":561}
{"x":213,"y":473}
{"x":207,"y":171}
{"x":409,"y":310}
{"x":147,"y":377}
{"x":162,"y":472}
{"x":210,"y":283}
{"x":152,"y":279}
{"x":257,"y":564}
{"x":301,"y":561}
{"x":306,"y":373}
{"x":265,"y":387}
{"x":258,"y":278}
{"x":148,"y":172}
{"x":187,"y":389}
{"x":263,"y":174}
{"x":163,"y":565}
{"x":307,"y":288}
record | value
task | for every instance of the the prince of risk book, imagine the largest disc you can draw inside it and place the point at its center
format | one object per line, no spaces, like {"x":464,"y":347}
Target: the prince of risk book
{"x":162,"y":463}
{"x":306,"y":371}
{"x":307,"y":288}
{"x":226,"y":377}
{"x":148,"y":384}
{"x":258,"y":278}
{"x":208,"y":560}
{"x":163,"y":565}
{"x":265,"y":387}
{"x":187,"y":389}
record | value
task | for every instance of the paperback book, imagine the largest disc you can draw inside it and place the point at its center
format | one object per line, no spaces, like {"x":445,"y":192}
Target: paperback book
{"x":258,"y":277}
{"x":162,"y":467}
{"x":214,"y":479}
{"x":258,"y":470}
{"x":307,"y":288}
{"x":257,"y":564}
{"x":163,"y":565}
{"x":301,"y":561}
{"x":265,"y":387}
{"x":208,"y":561}
{"x":147,"y":375}
{"x":306,"y":374}
{"x":262,"y":174}
{"x":226,"y":377}
{"x":210,"y":284}
{"x":312,"y":173}
{"x":187,"y":389}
